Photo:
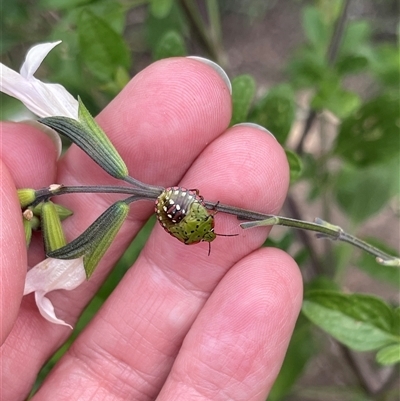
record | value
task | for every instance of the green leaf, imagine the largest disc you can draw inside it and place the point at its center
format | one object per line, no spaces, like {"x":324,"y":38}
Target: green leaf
{"x":388,"y":274}
{"x":62,"y":4}
{"x":385,"y":65}
{"x":276,"y":111}
{"x":243,"y":91}
{"x":371,"y":135}
{"x":362,"y":192}
{"x":171,"y":44}
{"x":156,"y":28}
{"x":389,"y":355}
{"x":321,"y":283}
{"x":307,"y":69}
{"x":295,"y":164}
{"x":87,"y":134}
{"x":96,"y":239}
{"x":161,"y":8}
{"x":102,"y":49}
{"x":316,"y":30}
{"x":300,"y":350}
{"x":356,"y":37}
{"x":362,"y":322}
{"x":351,"y":64}
{"x":331,"y":96}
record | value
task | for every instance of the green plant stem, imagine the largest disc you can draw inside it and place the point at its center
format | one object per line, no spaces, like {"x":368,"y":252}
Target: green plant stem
{"x":304,"y":238}
{"x":149,"y":193}
{"x":216,"y":31}
{"x":362,"y":382}
{"x":322,"y":228}
{"x":198,"y":28}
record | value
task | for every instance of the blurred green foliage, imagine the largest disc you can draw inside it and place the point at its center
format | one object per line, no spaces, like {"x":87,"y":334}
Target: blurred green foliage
{"x":107,"y":42}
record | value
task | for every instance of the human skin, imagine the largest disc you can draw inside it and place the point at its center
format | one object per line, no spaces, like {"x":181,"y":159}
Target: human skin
{"x":180,"y":325}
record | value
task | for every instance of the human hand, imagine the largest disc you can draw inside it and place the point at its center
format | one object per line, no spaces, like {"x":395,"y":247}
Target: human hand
{"x":181,"y":324}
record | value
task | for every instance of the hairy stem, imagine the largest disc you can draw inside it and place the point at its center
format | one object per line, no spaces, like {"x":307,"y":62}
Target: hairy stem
{"x":322,"y":228}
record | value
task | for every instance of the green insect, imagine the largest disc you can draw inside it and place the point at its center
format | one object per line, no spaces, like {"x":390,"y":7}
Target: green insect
{"x":182,"y":213}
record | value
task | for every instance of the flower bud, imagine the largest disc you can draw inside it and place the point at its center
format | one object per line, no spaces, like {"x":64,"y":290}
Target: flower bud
{"x":52,"y":231}
{"x":62,"y":211}
{"x":26,"y":196}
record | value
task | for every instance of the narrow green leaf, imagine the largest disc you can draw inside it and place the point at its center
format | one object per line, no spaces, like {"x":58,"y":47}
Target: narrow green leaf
{"x":102,"y":49}
{"x":315,"y":28}
{"x":276,"y":111}
{"x":171,"y":44}
{"x":389,"y":355}
{"x":361,"y":322}
{"x":371,"y":135}
{"x":295,"y":164}
{"x":52,"y":231}
{"x":161,"y":8}
{"x":356,"y":37}
{"x":86,"y":134}
{"x":243,"y":91}
{"x":95,"y":240}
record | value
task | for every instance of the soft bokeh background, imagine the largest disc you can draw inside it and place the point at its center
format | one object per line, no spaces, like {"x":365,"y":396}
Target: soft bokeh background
{"x":322,"y":75}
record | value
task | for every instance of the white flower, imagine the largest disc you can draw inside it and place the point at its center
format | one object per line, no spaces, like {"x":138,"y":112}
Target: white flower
{"x":44,"y":100}
{"x":53,"y":274}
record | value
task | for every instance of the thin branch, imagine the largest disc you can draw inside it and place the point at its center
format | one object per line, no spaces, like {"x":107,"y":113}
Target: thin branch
{"x":304,"y":238}
{"x":198,"y":28}
{"x":362,"y":382}
{"x":322,"y":228}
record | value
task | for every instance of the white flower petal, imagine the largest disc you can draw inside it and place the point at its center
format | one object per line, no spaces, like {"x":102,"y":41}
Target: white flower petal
{"x":55,"y":274}
{"x":46,"y":309}
{"x":44,"y":100}
{"x":35,"y":57}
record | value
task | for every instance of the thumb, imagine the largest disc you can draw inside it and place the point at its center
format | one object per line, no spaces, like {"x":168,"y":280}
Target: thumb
{"x":13,"y":255}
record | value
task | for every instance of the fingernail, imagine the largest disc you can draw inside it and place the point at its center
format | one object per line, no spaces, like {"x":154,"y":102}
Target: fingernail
{"x":221,"y":72}
{"x":49,"y":132}
{"x":253,"y":125}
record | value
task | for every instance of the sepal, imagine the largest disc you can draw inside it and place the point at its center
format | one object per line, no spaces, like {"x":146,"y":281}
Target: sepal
{"x":96,"y":239}
{"x":53,"y":234}
{"x":26,"y":196}
{"x":87,"y":134}
{"x":61,"y":211}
